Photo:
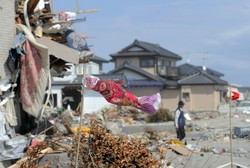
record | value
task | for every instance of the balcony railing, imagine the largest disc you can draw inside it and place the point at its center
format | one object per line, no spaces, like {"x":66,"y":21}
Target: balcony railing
{"x":168,"y":71}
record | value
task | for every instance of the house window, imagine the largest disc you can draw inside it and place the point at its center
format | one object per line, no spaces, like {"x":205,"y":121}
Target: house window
{"x":173,"y":63}
{"x":186,"y":97}
{"x":147,"y":62}
{"x":166,"y":63}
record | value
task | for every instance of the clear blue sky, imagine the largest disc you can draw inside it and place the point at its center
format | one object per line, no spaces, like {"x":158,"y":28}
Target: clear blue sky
{"x":217,"y":30}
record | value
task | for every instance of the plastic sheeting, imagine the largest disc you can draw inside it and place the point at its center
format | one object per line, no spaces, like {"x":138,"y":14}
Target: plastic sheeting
{"x":39,"y":82}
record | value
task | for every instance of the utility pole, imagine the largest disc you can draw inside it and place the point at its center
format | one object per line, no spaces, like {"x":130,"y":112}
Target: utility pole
{"x":77,"y":5}
{"x":230,"y":124}
{"x":81,"y":116}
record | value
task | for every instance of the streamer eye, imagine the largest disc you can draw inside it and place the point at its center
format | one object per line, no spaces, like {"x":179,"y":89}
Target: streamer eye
{"x":106,"y":92}
{"x":103,"y":86}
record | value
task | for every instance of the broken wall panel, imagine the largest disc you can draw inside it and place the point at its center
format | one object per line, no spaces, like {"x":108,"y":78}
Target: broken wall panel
{"x":7,"y":33}
{"x":71,"y":96}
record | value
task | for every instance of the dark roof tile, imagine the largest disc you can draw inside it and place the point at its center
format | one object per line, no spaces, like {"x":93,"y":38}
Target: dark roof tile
{"x":96,"y":58}
{"x":139,"y":70}
{"x":150,"y":49}
{"x":189,"y":69}
{"x":202,"y":78}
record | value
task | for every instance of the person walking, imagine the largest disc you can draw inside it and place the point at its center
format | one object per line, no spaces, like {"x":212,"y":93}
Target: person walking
{"x":180,"y":121}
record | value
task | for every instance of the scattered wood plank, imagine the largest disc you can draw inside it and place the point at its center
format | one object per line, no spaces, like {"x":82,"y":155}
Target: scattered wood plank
{"x":66,"y":125}
{"x":32,"y":5}
{"x":87,"y":11}
{"x":180,"y":149}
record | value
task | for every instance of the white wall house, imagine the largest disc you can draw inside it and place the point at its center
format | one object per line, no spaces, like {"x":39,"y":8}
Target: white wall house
{"x":93,"y":101}
{"x":91,"y":68}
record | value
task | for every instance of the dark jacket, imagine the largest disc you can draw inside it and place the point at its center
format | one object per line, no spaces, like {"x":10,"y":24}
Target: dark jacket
{"x":181,"y":119}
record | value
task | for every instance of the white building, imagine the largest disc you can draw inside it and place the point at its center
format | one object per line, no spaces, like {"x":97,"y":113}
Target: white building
{"x":67,"y":90}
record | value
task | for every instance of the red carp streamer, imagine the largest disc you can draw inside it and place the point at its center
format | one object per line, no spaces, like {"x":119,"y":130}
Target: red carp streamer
{"x":115,"y":94}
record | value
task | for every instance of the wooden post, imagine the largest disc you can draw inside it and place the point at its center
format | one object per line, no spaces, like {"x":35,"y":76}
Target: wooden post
{"x":231,"y":135}
{"x":230,"y":124}
{"x":81,"y":117}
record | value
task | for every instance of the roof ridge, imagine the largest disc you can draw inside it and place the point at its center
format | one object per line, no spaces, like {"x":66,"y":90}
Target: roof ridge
{"x":138,"y":70}
{"x":207,"y":71}
{"x":150,"y":48}
{"x":209,"y":76}
{"x":212,"y":70}
{"x":189,"y":77}
{"x":158,"y":46}
{"x":195,"y":67}
{"x":146,"y":42}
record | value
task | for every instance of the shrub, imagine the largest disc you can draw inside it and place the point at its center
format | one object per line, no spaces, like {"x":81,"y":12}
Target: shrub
{"x":162,"y":115}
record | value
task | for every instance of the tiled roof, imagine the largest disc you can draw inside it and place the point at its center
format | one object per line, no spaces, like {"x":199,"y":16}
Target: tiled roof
{"x":127,"y":65}
{"x":189,"y":69}
{"x":202,"y":78}
{"x":96,"y":58}
{"x":211,"y":71}
{"x":142,"y":72}
{"x":150,"y":50}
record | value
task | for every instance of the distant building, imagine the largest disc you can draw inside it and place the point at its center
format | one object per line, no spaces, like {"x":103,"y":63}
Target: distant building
{"x":95,"y":66}
{"x":245,"y":91}
{"x":150,"y":57}
{"x":149,"y":68}
{"x":201,"y":88}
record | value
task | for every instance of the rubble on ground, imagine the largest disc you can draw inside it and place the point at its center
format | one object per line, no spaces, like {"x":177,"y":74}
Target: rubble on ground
{"x":98,"y":147}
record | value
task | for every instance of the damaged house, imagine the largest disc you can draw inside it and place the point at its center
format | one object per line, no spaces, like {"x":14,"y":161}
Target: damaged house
{"x":35,"y":43}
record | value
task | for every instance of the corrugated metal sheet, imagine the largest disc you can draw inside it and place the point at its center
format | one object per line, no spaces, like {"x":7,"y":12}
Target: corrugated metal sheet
{"x":60,"y":51}
{"x":7,"y":32}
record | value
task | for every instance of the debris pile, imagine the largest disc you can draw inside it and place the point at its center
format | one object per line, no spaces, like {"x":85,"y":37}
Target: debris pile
{"x":34,"y":153}
{"x":126,"y":115}
{"x":98,"y":148}
{"x":54,"y":29}
{"x":102,"y":149}
{"x":45,"y":44}
{"x":242,"y":132}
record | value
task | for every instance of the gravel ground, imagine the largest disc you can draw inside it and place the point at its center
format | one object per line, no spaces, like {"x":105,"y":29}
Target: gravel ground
{"x":213,"y":135}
